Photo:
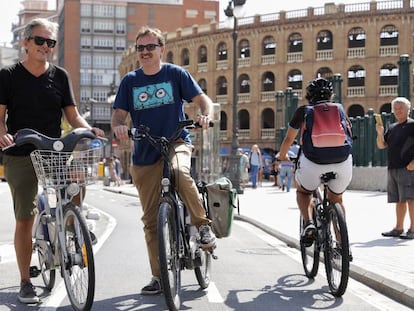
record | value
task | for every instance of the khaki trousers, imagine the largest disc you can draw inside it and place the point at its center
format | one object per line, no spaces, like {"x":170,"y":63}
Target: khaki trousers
{"x":147,"y":180}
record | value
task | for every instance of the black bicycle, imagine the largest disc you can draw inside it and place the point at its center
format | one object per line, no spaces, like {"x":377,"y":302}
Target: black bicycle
{"x":331,"y":239}
{"x":60,"y":232}
{"x":178,"y":242}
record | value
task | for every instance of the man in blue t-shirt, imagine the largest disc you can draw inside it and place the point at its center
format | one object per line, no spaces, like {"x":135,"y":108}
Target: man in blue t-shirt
{"x":153,"y":95}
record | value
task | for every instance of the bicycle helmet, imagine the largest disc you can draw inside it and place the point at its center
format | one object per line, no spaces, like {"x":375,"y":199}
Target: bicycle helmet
{"x":318,"y":90}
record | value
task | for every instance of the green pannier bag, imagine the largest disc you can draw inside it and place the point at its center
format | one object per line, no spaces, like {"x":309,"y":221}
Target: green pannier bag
{"x":221,"y":201}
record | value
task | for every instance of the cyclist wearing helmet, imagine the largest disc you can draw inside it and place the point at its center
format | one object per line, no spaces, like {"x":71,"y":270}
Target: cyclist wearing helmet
{"x":308,"y":172}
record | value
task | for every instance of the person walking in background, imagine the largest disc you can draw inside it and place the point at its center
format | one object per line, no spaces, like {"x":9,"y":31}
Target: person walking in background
{"x":255,"y":162}
{"x":112,"y":172}
{"x":286,"y":174}
{"x":118,"y":168}
{"x":153,"y":95}
{"x":244,"y":168}
{"x":399,"y":139}
{"x":33,"y":94}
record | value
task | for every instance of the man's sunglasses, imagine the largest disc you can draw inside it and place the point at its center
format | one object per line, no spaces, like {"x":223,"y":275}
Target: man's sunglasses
{"x":150,"y":47}
{"x":40,"y":41}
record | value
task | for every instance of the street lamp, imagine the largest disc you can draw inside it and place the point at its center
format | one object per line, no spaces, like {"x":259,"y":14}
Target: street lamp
{"x":234,"y":9}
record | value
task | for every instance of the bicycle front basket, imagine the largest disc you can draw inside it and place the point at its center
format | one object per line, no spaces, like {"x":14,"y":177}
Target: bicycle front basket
{"x":57,"y":169}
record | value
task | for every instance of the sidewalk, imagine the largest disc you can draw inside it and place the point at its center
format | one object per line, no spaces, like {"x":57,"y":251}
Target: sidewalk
{"x":385,"y":264}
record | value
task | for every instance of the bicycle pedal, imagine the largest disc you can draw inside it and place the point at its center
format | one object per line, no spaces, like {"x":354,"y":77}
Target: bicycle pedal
{"x":34,"y":271}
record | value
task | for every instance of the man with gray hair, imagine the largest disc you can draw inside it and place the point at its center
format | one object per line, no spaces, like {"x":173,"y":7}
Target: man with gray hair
{"x":33,"y":94}
{"x":399,"y":138}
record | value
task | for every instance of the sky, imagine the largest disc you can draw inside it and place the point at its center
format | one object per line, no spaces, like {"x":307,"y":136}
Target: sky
{"x":10,"y":8}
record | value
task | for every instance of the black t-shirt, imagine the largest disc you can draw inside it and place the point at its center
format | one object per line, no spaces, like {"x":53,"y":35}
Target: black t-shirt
{"x":400,"y":140}
{"x":34,"y":102}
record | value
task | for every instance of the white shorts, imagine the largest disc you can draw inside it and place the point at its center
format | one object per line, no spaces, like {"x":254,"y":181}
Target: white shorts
{"x":308,"y":174}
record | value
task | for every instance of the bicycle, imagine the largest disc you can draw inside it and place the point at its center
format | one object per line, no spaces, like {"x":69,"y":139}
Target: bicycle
{"x":60,"y":233}
{"x":331,"y":238}
{"x":178,"y":243}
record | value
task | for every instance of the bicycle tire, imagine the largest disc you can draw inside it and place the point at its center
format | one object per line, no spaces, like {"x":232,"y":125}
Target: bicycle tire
{"x":48,"y":273}
{"x":169,"y":258}
{"x":79,"y":271}
{"x":310,"y":255}
{"x":202,"y":269}
{"x":45,"y":253}
{"x":336,"y":251}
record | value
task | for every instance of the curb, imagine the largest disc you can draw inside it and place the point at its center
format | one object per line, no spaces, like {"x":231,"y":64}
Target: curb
{"x":383,"y":285}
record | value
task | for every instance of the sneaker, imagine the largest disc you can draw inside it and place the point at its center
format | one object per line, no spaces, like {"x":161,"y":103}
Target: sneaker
{"x":27,"y":293}
{"x":308,"y":234}
{"x":153,"y":287}
{"x":392,"y":233}
{"x":207,"y":237}
{"x":94,"y":239}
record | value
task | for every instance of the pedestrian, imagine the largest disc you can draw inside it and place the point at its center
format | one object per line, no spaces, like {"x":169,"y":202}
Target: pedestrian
{"x":166,"y":87}
{"x":275,"y":170}
{"x":255,"y":163}
{"x":33,"y":94}
{"x":244,"y":167}
{"x":112,"y":172}
{"x":118,"y":168}
{"x":286,"y":173}
{"x":318,"y":92}
{"x":399,"y":141}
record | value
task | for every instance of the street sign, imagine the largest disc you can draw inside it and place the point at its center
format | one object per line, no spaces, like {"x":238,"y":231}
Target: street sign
{"x":114,"y":144}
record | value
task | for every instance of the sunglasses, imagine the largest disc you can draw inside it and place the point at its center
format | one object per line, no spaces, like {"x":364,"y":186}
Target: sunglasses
{"x":40,"y":41}
{"x":150,"y":47}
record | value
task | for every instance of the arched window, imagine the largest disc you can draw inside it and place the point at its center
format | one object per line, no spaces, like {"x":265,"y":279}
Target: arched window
{"x":244,"y":49}
{"x":295,"y":43}
{"x":202,"y":54}
{"x":244,"y":83}
{"x":324,"y":40}
{"x":170,"y":57}
{"x":222,"y":51}
{"x":268,"y":118}
{"x":389,"y":35}
{"x":268,"y":82}
{"x":185,"y":57}
{"x":356,"y":76}
{"x":295,"y":79}
{"x":223,"y":120}
{"x":356,"y":110}
{"x":244,"y":119}
{"x":269,"y":46}
{"x":324,"y":72}
{"x":221,"y":87}
{"x":356,"y":38}
{"x":203,"y":85}
{"x":389,"y":75}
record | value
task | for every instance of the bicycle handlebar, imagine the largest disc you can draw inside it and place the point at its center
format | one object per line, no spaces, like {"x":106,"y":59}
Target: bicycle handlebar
{"x":43,"y":142}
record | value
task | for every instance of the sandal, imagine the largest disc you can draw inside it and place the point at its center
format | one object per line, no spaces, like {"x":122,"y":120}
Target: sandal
{"x":409,"y":235}
{"x":393,"y":233}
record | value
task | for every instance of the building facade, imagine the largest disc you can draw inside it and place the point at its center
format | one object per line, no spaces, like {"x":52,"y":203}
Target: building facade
{"x":280,"y":52}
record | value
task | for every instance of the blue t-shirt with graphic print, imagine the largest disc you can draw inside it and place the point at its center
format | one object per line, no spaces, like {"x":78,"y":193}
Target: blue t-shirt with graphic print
{"x":156,"y":101}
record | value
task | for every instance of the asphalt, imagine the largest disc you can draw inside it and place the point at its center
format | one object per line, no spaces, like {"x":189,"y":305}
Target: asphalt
{"x":384,"y":264}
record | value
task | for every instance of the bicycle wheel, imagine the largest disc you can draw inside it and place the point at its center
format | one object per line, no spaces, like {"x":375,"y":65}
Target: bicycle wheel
{"x":169,"y":257}
{"x":310,"y":255}
{"x":48,"y":272}
{"x":79,"y":270}
{"x":336,"y":251}
{"x":44,"y":250}
{"x":203,"y":268}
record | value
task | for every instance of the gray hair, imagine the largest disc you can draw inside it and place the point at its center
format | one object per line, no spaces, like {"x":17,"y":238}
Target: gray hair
{"x":400,"y":100}
{"x":43,"y":22}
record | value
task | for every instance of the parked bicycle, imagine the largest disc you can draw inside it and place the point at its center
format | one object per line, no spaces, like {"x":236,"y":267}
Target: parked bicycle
{"x":60,"y":233}
{"x":331,"y":239}
{"x":179,"y":247}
